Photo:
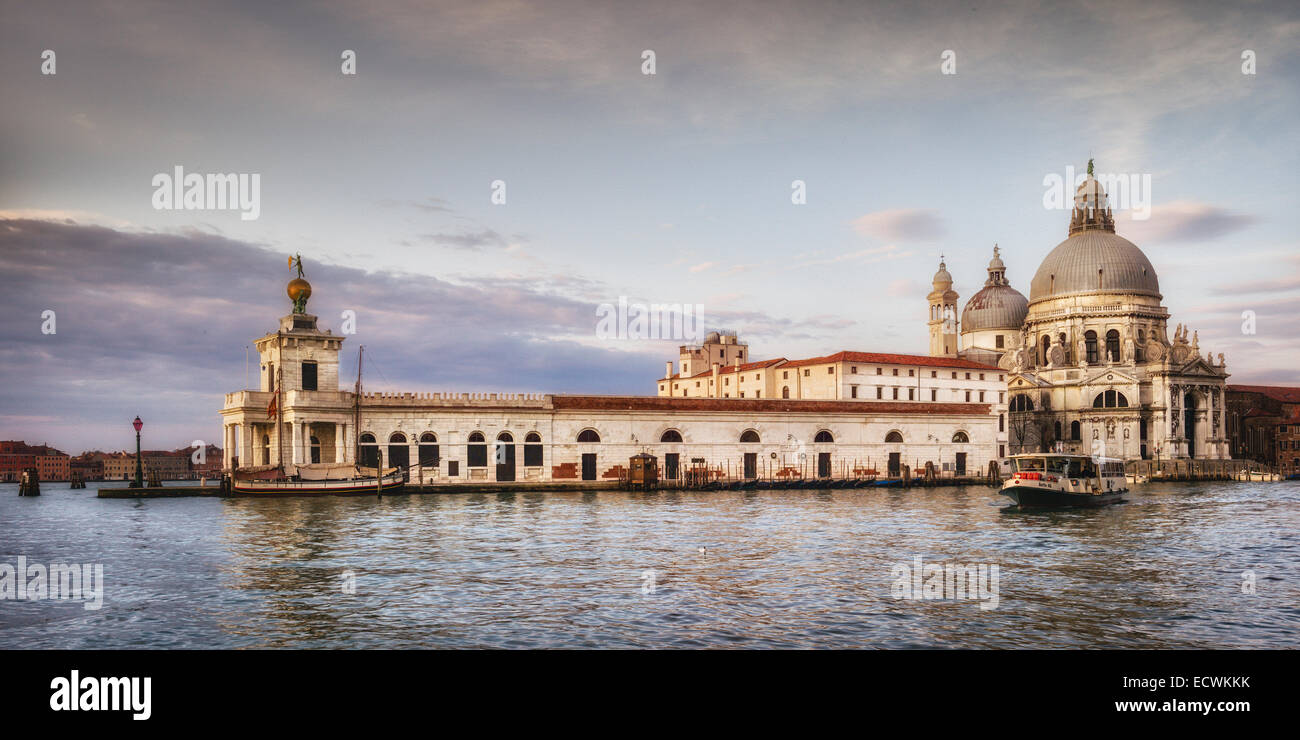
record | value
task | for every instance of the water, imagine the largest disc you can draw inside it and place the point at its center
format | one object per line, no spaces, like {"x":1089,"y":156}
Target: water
{"x":781,"y":569}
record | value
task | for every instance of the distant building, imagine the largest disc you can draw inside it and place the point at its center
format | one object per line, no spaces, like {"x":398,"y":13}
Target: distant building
{"x":89,"y":465}
{"x":1256,"y":417}
{"x":169,"y":464}
{"x":16,"y":456}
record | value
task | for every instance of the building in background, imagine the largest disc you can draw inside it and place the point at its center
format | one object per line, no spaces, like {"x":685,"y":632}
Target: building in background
{"x":1256,"y":417}
{"x":16,"y":456}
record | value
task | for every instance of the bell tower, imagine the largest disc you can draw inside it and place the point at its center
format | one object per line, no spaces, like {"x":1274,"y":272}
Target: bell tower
{"x":943,"y":314}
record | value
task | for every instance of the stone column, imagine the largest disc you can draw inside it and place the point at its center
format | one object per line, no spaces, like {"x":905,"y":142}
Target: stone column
{"x":295,"y":454}
{"x":246,"y":444}
{"x":340,"y":446}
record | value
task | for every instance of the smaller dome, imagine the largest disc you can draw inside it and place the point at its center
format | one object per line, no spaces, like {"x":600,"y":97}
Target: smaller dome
{"x":712,"y":338}
{"x":942,"y":276}
{"x":995,"y":307}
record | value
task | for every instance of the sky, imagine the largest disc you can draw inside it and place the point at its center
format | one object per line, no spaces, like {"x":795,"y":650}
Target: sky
{"x":917,"y":130}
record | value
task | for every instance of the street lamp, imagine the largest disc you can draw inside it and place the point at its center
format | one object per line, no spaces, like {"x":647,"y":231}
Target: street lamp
{"x":139,"y":470}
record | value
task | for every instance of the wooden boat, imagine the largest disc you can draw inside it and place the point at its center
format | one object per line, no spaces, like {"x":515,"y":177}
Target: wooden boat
{"x":297,"y":486}
{"x":1046,"y":480}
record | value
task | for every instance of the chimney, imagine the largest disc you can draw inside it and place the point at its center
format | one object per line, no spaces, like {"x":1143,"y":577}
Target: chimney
{"x":668,"y":369}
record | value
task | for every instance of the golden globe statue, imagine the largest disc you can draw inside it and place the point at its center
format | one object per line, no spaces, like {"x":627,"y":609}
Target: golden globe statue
{"x":299,"y":290}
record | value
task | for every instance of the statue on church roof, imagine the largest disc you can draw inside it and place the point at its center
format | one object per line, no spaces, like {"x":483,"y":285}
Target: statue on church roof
{"x":299,"y":289}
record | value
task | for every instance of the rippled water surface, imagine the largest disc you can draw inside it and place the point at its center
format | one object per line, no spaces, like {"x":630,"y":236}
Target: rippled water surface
{"x":791,"y":569}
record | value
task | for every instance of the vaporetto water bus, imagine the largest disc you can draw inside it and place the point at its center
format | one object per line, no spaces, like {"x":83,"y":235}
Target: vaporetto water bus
{"x":1057,"y":480}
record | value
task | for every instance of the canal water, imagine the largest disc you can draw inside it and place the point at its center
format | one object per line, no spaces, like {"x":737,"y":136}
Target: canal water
{"x":1175,"y":566}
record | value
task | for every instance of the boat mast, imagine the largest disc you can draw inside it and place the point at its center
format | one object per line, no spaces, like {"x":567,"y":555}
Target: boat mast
{"x":356,"y":420}
{"x":279,"y":413}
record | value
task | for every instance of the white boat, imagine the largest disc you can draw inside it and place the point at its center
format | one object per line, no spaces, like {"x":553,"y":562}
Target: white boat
{"x":1057,"y":480}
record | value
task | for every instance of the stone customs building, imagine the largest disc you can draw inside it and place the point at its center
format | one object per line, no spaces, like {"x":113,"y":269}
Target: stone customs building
{"x":1091,"y":366}
{"x":842,"y":415}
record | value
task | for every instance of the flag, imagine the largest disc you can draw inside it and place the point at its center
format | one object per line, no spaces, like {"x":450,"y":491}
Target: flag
{"x":271,"y":408}
{"x":291,"y":262}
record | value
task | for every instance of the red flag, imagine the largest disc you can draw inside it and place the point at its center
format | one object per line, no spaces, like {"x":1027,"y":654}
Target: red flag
{"x":270,"y":409}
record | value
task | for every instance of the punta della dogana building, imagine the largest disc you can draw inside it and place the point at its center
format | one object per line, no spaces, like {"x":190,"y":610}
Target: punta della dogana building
{"x":845,"y":415}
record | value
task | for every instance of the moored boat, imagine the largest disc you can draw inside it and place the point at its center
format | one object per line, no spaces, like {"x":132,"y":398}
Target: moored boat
{"x":300,"y":486}
{"x":1045,"y":480}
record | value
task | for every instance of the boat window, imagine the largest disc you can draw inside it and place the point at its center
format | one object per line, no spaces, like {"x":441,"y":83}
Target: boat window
{"x":1029,"y":464}
{"x":1058,"y":465}
{"x":1076,"y":469}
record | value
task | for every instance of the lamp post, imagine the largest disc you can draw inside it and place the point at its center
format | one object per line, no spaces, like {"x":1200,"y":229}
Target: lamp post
{"x":139,"y":470}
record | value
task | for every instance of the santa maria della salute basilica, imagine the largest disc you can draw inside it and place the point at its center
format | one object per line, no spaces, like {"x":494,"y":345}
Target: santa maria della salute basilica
{"x":1085,"y":364}
{"x":1091,"y":363}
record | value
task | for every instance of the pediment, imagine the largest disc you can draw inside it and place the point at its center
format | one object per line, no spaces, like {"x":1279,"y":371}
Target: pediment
{"x":1109,"y":376}
{"x":1022,"y":381}
{"x":1199,"y":367}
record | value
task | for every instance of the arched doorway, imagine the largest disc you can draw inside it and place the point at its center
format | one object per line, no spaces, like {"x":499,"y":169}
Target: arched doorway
{"x":1189,"y":423}
{"x":505,"y":457}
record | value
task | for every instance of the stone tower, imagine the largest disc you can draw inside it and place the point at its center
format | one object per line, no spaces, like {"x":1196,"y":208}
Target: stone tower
{"x":943,"y":315}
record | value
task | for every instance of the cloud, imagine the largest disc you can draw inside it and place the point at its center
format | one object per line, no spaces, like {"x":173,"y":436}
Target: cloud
{"x":484,"y":238}
{"x":904,"y":288}
{"x":901,"y":225}
{"x":1183,"y":221}
{"x":157,"y":325}
{"x":702,"y":266}
{"x":432,"y":205}
{"x":874,"y":254}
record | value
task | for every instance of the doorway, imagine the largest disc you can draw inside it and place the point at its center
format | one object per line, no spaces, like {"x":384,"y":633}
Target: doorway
{"x":671,"y":461}
{"x":961,"y":463}
{"x":1189,"y":423}
{"x":505,"y":457}
{"x":589,"y":466}
{"x":895,"y":464}
{"x":751,"y":465}
{"x":823,"y":464}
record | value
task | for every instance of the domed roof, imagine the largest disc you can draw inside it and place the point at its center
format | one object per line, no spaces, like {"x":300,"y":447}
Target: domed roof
{"x":1094,"y":261}
{"x":997,"y":305}
{"x":1093,"y":258}
{"x":942,"y":276}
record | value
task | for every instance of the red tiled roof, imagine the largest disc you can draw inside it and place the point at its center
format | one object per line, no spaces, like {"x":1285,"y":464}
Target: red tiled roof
{"x":730,"y":369}
{"x":756,"y":405}
{"x":878,"y":358}
{"x":895,"y":359}
{"x":1283,"y":393}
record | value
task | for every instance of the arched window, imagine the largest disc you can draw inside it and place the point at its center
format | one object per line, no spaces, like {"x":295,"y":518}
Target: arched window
{"x":1110,"y":400}
{"x":960,"y":438}
{"x":672,"y":435}
{"x":894,"y":438}
{"x":588,"y":435}
{"x":785,"y":391}
{"x":1090,"y":347}
{"x":1021,"y":402}
{"x":1112,"y":345}
{"x":532,"y":450}
{"x":369,"y":451}
{"x":429,"y":449}
{"x":476,"y":451}
{"x":399,"y":455}
{"x":824,"y":436}
{"x":1074,"y":431}
{"x":749,"y":436}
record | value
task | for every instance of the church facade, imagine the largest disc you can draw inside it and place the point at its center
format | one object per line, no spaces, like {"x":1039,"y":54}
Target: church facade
{"x":1091,"y":365}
